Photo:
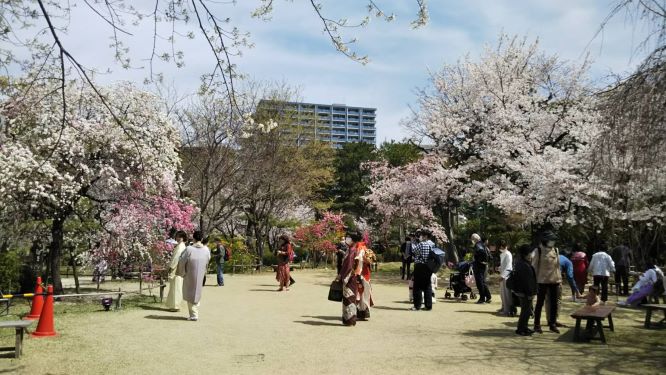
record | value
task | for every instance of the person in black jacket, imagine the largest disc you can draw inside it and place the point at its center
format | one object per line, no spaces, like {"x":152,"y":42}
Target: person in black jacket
{"x":523,"y":283}
{"x":480,"y":267}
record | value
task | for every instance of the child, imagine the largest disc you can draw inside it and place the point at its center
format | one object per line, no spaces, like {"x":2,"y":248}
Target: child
{"x":433,"y":282}
{"x":592,"y":296}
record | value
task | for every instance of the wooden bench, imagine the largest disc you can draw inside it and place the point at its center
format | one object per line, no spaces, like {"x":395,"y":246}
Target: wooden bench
{"x":648,"y":313}
{"x":594,"y":315}
{"x":20,"y":326}
{"x":118,"y":303}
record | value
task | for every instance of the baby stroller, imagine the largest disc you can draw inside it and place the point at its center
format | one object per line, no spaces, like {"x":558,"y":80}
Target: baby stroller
{"x":457,"y":283}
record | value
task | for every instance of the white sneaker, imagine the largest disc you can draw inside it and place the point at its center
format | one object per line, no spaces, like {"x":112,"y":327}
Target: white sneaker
{"x":193,"y":318}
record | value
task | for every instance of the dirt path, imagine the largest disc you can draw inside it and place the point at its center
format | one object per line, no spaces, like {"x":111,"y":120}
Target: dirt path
{"x":247,"y":328}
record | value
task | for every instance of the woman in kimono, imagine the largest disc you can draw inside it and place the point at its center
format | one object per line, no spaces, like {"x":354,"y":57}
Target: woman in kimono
{"x":356,"y":297}
{"x":580,"y":264}
{"x":284,"y":255}
{"x":175,"y":296}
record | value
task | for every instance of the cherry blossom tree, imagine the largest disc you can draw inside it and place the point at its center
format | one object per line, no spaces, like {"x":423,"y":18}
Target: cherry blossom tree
{"x":514,"y":129}
{"x":321,"y":236}
{"x":137,"y":225}
{"x":50,"y":160}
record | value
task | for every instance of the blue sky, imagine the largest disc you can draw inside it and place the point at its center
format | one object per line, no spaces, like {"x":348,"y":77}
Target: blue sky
{"x":292,"y":48}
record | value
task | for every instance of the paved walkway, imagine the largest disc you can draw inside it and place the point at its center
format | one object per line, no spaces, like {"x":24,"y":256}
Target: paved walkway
{"x":246,"y":327}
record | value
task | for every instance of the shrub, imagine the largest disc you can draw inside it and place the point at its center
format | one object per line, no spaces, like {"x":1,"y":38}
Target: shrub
{"x":10,"y":271}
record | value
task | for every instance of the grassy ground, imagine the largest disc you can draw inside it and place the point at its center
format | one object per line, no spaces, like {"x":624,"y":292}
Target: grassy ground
{"x":248,"y":328}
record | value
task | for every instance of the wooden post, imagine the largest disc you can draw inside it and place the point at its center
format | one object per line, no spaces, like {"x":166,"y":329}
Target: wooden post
{"x":18,"y":348}
{"x":140,"y":280}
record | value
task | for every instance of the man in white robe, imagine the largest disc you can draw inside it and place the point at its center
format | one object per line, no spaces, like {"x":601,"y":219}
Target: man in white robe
{"x":192,"y":266}
{"x":175,"y":296}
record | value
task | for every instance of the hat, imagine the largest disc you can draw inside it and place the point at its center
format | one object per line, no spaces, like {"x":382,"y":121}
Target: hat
{"x":548,"y":236}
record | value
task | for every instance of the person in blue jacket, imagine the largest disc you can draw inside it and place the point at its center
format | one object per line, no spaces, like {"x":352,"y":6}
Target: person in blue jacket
{"x":566,"y":267}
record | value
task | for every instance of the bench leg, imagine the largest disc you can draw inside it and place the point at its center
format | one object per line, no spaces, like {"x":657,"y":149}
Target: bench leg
{"x":648,"y":317}
{"x":18,"y":347}
{"x":577,"y":331}
{"x":600,"y":329}
{"x":610,"y":323}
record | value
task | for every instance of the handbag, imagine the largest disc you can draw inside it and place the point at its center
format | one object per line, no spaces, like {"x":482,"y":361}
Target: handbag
{"x":469,"y":279}
{"x":335,"y":291}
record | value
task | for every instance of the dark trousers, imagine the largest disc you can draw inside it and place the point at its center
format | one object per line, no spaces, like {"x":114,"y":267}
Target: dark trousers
{"x":480,"y":278}
{"x":220,"y":274}
{"x":552,"y":291}
{"x":406,"y":268}
{"x":422,"y":284}
{"x":622,"y":277}
{"x":603,"y":282}
{"x":525,"y":312}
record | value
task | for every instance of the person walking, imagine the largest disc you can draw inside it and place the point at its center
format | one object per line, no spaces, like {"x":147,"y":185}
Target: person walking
{"x":480,"y":267}
{"x":623,"y":259}
{"x":580,"y":263}
{"x":192,"y":266}
{"x":352,"y":281}
{"x":505,"y":268}
{"x":546,"y":263}
{"x":220,"y":256}
{"x":422,"y":274}
{"x":175,"y":295}
{"x":284,"y":255}
{"x":524,"y":285}
{"x":406,"y":251}
{"x":601,"y":266}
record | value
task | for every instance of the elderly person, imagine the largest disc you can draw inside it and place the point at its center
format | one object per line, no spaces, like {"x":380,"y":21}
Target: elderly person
{"x":192,"y":266}
{"x":546,"y":262}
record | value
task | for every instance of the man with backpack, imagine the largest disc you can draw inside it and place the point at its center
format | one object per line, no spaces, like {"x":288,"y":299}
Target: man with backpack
{"x":422,"y":273}
{"x":480,"y":267}
{"x":221,"y":255}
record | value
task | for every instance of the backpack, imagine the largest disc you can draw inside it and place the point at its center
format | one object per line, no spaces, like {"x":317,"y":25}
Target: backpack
{"x":436,"y":259}
{"x":227,"y":254}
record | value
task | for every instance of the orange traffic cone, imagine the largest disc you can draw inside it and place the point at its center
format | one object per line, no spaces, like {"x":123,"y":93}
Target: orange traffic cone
{"x":45,"y":327}
{"x":37,"y":302}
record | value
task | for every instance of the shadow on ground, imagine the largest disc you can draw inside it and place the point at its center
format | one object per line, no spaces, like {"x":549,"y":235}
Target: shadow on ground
{"x":155,"y":308}
{"x":319,"y":323}
{"x":165,"y":317}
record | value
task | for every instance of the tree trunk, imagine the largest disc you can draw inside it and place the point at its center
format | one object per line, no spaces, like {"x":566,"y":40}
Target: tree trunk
{"x":259,"y":241}
{"x":74,"y":271}
{"x":55,"y":251}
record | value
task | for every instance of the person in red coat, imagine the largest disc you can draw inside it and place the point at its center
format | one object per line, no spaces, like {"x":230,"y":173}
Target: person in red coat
{"x":580,"y":264}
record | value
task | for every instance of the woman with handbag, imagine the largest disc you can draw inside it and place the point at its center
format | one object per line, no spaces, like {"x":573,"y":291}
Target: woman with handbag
{"x":353,"y":283}
{"x":284,"y":255}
